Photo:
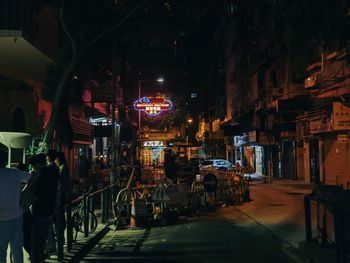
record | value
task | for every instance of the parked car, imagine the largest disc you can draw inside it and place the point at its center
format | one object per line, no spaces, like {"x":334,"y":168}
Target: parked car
{"x":220,"y":164}
{"x":255,"y":177}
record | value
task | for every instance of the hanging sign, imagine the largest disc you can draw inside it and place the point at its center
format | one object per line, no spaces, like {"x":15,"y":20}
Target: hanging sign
{"x":153,"y":105}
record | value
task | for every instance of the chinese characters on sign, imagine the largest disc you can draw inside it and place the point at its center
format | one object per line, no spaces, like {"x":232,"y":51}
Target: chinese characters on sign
{"x":153,"y":105}
{"x":341,"y":116}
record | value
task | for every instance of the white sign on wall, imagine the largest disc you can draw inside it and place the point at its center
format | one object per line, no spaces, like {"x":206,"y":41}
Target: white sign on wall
{"x":341,"y":116}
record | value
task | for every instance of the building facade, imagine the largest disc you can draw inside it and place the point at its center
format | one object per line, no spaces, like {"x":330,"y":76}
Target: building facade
{"x":286,"y":98}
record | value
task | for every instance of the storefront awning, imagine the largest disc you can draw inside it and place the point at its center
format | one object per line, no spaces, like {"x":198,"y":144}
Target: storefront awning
{"x":296,"y":104}
{"x":82,"y":131}
{"x":231,"y":128}
{"x":16,"y":140}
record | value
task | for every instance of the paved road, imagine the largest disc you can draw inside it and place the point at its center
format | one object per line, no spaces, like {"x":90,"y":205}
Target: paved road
{"x":225,"y":236}
{"x":280,"y":207}
{"x":259,"y":231}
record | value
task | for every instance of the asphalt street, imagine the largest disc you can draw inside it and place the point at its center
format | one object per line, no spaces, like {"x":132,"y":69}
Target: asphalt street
{"x":266,"y":229}
{"x":227,"y":235}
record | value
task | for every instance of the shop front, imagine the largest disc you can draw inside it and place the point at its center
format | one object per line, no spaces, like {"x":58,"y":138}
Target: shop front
{"x":82,"y":139}
{"x":324,"y":132}
{"x":239,"y":142}
{"x":288,"y":150}
{"x":254,"y":152}
{"x":153,"y":153}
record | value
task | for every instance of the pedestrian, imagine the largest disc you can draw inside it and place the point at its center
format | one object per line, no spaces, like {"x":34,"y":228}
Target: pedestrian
{"x":37,"y":162}
{"x":64,"y":183}
{"x":64,"y":178}
{"x":54,"y":173}
{"x":45,"y":191}
{"x":11,"y":212}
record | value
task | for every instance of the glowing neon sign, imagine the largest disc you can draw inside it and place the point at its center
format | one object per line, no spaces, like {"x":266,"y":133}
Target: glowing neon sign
{"x":153,"y":105}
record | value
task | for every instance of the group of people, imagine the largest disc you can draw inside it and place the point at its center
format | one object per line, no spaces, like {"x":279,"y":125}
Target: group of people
{"x":28,"y":201}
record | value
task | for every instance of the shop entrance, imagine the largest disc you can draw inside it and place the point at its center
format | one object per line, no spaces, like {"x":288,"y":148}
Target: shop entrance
{"x":255,"y":157}
{"x":289,"y":163}
{"x":153,"y":153}
{"x":314,"y":161}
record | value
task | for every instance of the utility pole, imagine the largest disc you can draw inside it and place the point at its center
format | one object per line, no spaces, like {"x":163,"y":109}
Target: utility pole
{"x":139,"y":124}
{"x":113,"y":139}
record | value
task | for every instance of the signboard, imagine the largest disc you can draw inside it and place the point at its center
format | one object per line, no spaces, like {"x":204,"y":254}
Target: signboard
{"x":341,"y":116}
{"x":266,"y":138}
{"x":252,"y":137}
{"x":289,"y":135}
{"x":153,"y":105}
{"x":321,"y":125}
{"x":342,"y":138}
{"x":153,"y":143}
{"x":240,"y":140}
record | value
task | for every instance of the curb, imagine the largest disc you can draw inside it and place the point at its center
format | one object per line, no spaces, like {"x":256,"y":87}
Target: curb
{"x":287,"y":248}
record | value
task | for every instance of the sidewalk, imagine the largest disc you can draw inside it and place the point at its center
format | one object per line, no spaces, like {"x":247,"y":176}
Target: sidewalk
{"x":80,"y":248}
{"x":279,"y":207}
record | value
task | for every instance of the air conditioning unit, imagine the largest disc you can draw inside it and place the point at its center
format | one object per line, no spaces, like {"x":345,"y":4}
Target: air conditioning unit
{"x":310,"y":82}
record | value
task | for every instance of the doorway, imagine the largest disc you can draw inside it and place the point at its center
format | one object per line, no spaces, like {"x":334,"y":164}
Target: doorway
{"x":289,"y":162}
{"x":314,"y":161}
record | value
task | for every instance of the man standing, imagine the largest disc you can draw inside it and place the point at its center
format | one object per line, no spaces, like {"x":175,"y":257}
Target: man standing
{"x":11,"y":224}
{"x":45,"y":191}
{"x":54,"y":175}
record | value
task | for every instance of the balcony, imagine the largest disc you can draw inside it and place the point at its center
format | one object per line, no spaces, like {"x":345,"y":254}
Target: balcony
{"x":27,"y":39}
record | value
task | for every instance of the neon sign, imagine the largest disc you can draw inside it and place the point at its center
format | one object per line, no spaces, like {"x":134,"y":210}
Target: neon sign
{"x":153,"y":105}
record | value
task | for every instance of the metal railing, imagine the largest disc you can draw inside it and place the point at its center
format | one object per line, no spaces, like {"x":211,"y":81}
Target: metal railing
{"x":154,"y":199}
{"x":101,"y":199}
{"x":335,"y":200}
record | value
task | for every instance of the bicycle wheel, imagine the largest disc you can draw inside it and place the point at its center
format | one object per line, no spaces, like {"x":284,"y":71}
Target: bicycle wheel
{"x":118,"y":224}
{"x":77,"y":222}
{"x":92,"y":222}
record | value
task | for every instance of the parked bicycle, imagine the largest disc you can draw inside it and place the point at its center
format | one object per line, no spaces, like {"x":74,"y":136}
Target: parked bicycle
{"x":78,"y":218}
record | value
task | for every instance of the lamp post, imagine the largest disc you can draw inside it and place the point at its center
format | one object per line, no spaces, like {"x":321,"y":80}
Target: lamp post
{"x":189,"y":122}
{"x":160,"y":80}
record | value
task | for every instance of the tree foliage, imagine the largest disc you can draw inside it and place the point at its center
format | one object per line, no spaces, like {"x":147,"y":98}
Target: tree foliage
{"x":86,"y":24}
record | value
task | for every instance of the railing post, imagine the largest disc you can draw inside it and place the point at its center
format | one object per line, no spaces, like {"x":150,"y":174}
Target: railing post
{"x":108,"y":203}
{"x":91,"y":208}
{"x":69,"y":228}
{"x":86,"y":216}
{"x":308,"y":230}
{"x":103,"y":207}
{"x":60,"y":234}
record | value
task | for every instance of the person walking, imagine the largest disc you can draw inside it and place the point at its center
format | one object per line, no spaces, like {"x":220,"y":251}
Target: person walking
{"x":45,"y":191}
{"x":64,"y":182}
{"x":11,"y":212}
{"x":37,"y":162}
{"x":54,"y":173}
